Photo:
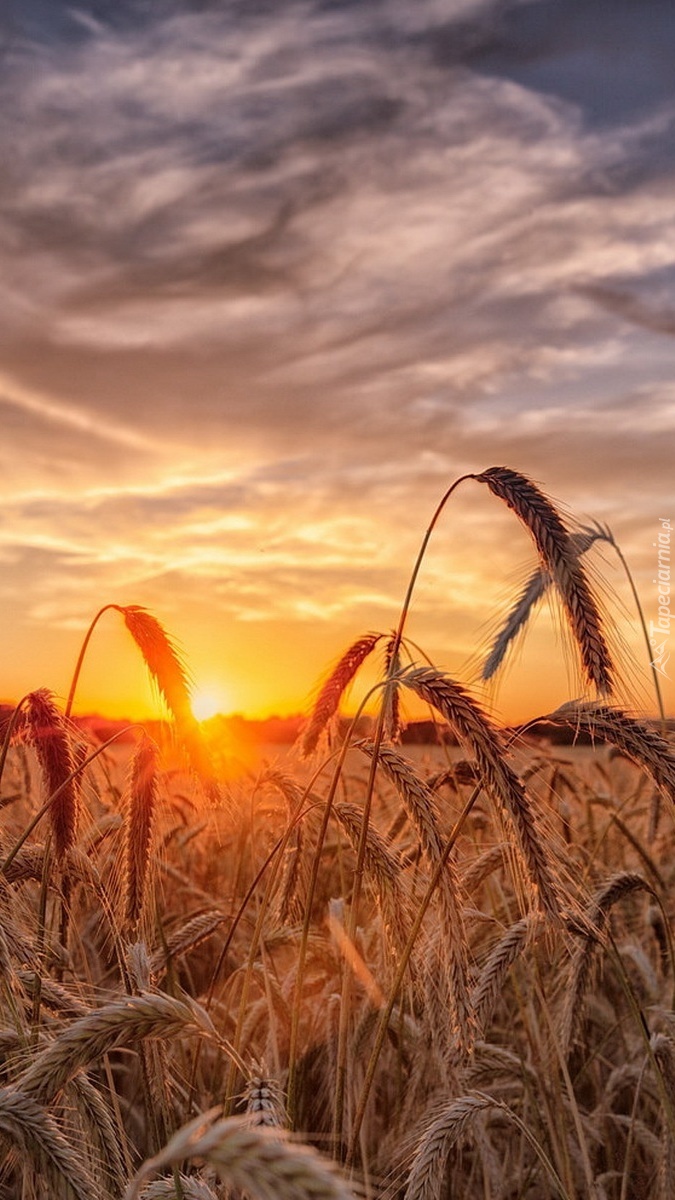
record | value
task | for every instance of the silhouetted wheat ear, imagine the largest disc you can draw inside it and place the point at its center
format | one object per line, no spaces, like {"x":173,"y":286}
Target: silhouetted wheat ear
{"x":48,"y":732}
{"x":196,"y":930}
{"x":170,"y":676}
{"x":533,"y":591}
{"x":597,"y":915}
{"x":161,"y":658}
{"x":328,"y":700}
{"x":639,"y":743}
{"x":473,"y":727}
{"x":560,"y":560}
{"x":259,"y":1162}
{"x":139,"y":818}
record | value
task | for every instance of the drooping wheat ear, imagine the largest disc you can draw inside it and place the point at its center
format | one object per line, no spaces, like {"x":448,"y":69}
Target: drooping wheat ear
{"x":36,"y":1136}
{"x":493,"y":859}
{"x":428,"y":1172}
{"x":47,"y":731}
{"x":168,"y":672}
{"x":161,"y":658}
{"x":139,"y":818}
{"x":420,"y":804}
{"x":392,"y":705}
{"x":264,"y":1105}
{"x":560,"y":559}
{"x":533,"y":591}
{"x":429,"y":1166}
{"x":191,"y":1188}
{"x":638,"y":742}
{"x":493,"y":974}
{"x":186,"y":938}
{"x":383,"y":872}
{"x":121,"y":1023}
{"x":596,"y":917}
{"x":473,"y":727}
{"x":328,"y":700}
{"x":259,"y":1162}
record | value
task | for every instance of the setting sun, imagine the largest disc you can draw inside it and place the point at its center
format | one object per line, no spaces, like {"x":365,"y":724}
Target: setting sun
{"x":208,"y":701}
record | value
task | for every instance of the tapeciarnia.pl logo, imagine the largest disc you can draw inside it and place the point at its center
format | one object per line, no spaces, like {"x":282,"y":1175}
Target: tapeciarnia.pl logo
{"x":659,"y":631}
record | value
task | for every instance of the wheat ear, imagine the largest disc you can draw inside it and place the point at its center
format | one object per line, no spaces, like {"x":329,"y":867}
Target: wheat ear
{"x":492,"y":978}
{"x":428,"y":1172}
{"x":257,"y":1161}
{"x":473,"y":727}
{"x":47,"y":731}
{"x":264,"y":1104}
{"x":328,"y":700}
{"x":139,"y":818}
{"x":196,"y":930}
{"x":121,"y":1023}
{"x":560,"y":560}
{"x":29,"y":1128}
{"x":596,"y":918}
{"x":533,"y":591}
{"x":642,"y":745}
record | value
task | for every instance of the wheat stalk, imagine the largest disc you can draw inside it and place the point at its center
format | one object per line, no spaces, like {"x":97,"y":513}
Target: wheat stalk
{"x":560,"y":560}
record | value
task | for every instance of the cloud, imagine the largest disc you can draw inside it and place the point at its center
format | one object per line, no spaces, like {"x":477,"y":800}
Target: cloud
{"x":273,"y":274}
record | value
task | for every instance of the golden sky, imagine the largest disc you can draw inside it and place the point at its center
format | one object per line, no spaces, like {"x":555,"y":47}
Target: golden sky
{"x":273,"y":275}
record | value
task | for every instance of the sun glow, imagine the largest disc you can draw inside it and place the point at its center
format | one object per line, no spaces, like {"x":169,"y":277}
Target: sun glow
{"x":208,"y":701}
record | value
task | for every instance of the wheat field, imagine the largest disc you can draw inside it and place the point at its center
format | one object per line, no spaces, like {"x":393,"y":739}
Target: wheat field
{"x":349,"y":972}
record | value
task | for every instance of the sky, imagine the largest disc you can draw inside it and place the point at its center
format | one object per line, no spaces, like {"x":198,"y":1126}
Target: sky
{"x":273,"y":274}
